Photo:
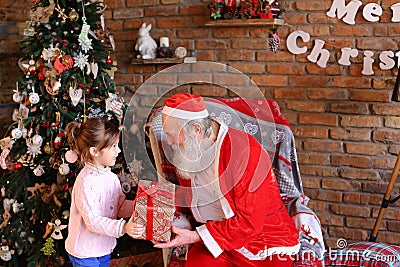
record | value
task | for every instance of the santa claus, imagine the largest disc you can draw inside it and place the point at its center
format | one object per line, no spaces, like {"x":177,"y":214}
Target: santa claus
{"x":230,"y":188}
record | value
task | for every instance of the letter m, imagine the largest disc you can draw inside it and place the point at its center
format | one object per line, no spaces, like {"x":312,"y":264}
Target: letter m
{"x":340,"y":9}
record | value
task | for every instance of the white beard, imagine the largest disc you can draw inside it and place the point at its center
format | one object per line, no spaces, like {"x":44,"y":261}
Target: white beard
{"x":191,"y":157}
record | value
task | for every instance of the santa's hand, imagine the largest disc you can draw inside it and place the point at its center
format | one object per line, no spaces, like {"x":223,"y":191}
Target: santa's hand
{"x":182,"y":237}
{"x":133,"y":229}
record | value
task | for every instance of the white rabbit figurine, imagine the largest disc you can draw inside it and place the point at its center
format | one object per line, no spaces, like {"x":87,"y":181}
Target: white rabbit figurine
{"x":145,"y":44}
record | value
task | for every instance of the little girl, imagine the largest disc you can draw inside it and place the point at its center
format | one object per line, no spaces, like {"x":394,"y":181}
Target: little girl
{"x":97,"y":198}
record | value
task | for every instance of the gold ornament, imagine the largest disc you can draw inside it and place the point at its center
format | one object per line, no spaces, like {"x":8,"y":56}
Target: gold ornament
{"x":73,"y":15}
{"x":48,"y":148}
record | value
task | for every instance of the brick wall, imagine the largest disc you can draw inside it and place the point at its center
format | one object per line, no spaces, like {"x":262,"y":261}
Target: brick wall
{"x":345,"y":125}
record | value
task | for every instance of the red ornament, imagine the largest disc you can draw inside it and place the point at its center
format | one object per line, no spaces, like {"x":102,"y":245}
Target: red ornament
{"x":88,"y":90}
{"x":18,"y":165}
{"x":109,"y":61}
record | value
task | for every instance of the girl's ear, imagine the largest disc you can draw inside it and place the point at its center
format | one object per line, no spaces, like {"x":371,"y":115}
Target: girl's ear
{"x":93,"y":151}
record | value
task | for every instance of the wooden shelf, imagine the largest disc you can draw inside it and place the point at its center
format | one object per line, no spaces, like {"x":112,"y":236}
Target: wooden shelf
{"x":245,"y":22}
{"x":173,"y":60}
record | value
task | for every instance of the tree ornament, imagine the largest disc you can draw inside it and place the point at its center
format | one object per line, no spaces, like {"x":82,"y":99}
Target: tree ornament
{"x":115,"y":105}
{"x":16,"y":133}
{"x":273,"y":42}
{"x":17,"y":97}
{"x":33,"y":149}
{"x":73,"y":15}
{"x":17,"y":207}
{"x":64,"y":169}
{"x":34,"y":97}
{"x":57,"y":142}
{"x":109,"y":61}
{"x":81,"y":60}
{"x":37,"y":140}
{"x":38,"y":171}
{"x":48,"y":148}
{"x":83,"y":36}
{"x":75,"y":95}
{"x":71,"y":156}
{"x":95,"y":69}
{"x":48,"y":248}
{"x":18,"y":165}
{"x":5,"y":253}
{"x":57,"y":229}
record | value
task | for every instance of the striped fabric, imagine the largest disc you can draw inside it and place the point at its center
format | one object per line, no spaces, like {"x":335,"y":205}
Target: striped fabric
{"x":366,"y":254}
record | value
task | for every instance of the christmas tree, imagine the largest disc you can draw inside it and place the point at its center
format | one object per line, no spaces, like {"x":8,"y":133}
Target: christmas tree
{"x":68,"y":75}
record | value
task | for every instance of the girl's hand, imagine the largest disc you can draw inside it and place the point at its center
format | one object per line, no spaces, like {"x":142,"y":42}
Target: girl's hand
{"x":133,"y":229}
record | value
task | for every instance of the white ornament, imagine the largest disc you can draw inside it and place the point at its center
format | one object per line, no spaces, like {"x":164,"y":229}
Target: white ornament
{"x":38,"y":171}
{"x":75,"y":95}
{"x":57,"y":229}
{"x":17,"y":207}
{"x":17,"y":97}
{"x":63,"y":169}
{"x":37,"y":140}
{"x":95,"y":69}
{"x":81,"y":60}
{"x":33,"y":150}
{"x":71,"y":156}
{"x":34,"y":98}
{"x":16,"y":133}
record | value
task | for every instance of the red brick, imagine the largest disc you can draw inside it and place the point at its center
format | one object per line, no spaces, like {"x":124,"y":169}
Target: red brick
{"x":310,"y":132}
{"x":359,"y":174}
{"x":352,"y":161}
{"x":361,"y":121}
{"x":311,"y":106}
{"x":318,"y":119}
{"x":350,"y":210}
{"x":365,"y":149}
{"x":352,"y":134}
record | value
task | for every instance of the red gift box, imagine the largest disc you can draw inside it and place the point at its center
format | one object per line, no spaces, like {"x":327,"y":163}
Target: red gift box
{"x":154,"y":207}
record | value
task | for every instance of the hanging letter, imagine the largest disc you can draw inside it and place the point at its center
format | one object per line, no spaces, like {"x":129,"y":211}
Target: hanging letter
{"x":338,"y":7}
{"x":387,"y":61}
{"x":291,"y":42}
{"x":396,"y":12}
{"x":368,"y":61}
{"x":319,"y":51}
{"x":372,"y":12}
{"x":347,"y":52}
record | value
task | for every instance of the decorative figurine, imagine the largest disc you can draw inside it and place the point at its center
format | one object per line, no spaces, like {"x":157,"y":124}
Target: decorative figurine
{"x":145,"y":44}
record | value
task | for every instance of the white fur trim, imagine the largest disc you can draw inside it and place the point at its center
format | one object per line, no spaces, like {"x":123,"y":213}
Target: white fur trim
{"x":183,"y":114}
{"x":209,"y":241}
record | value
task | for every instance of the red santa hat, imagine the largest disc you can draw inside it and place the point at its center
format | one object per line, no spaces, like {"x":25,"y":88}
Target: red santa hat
{"x":185,"y":106}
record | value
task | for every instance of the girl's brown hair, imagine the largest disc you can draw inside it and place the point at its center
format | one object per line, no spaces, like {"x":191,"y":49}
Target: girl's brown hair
{"x":94,"y":132}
